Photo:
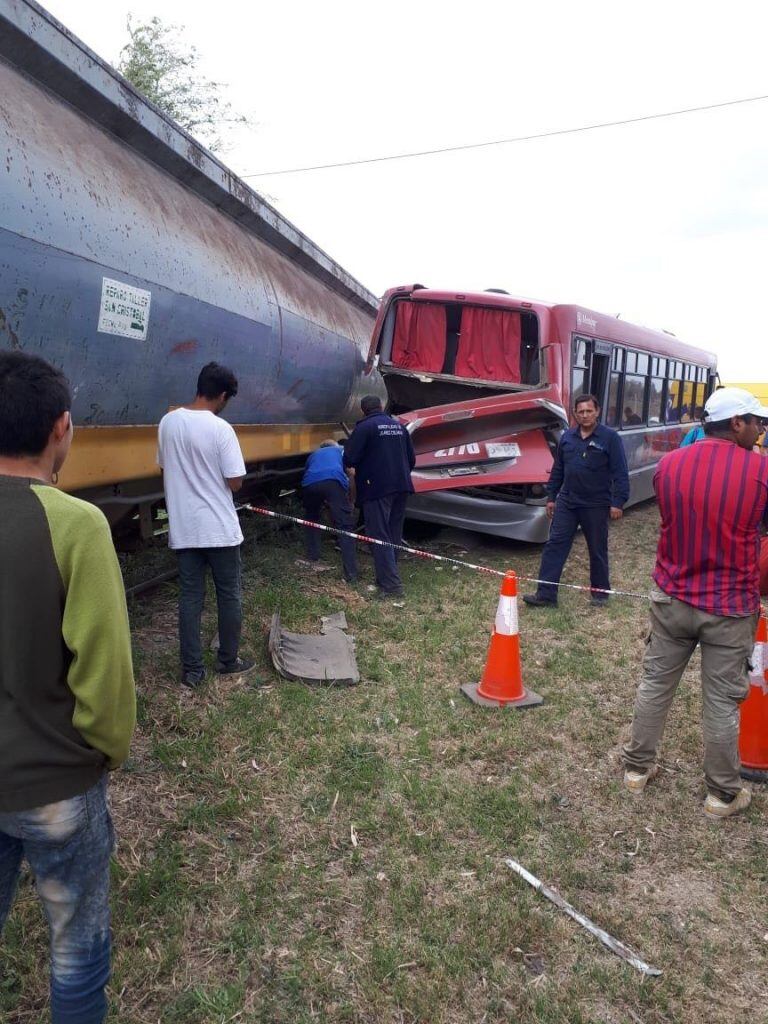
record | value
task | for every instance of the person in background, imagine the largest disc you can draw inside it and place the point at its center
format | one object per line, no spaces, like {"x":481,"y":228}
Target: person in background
{"x":202,"y":468}
{"x":714,"y":496}
{"x":697,"y":434}
{"x":588,"y":486}
{"x":380,"y":452}
{"x":67,"y":697}
{"x":327,"y":483}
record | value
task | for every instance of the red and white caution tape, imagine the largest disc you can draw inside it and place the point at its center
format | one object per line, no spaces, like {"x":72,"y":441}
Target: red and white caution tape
{"x":418,"y":553}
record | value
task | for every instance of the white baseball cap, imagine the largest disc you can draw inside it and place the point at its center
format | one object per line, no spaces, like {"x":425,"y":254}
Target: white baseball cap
{"x":727,"y":402}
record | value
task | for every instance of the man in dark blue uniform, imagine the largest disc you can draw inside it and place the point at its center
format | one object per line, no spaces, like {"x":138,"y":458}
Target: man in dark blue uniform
{"x":588,"y":485}
{"x":381,"y":453}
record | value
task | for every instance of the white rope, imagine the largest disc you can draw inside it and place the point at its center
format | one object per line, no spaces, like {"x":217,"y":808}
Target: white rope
{"x":418,"y":553}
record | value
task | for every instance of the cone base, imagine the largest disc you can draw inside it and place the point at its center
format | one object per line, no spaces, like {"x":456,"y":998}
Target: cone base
{"x":528,"y":700}
{"x":754,"y":774}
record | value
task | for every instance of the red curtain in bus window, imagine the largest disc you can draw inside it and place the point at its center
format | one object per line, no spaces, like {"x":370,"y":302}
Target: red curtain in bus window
{"x":419,"y":341}
{"x":489,"y":345}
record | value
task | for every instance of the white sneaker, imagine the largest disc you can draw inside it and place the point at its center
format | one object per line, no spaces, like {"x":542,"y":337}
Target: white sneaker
{"x":636,"y":781}
{"x":718,"y":809}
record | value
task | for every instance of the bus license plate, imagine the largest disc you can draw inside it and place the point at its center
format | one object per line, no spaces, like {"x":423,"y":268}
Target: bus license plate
{"x":503,"y":451}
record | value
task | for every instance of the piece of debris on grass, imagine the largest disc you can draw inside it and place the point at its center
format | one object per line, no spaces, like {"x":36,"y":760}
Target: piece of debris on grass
{"x":304,"y":563}
{"x":607,"y":940}
{"x":336,"y":621}
{"x":326,"y":659}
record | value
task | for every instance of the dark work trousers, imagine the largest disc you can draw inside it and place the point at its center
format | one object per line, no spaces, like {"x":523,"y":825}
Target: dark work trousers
{"x":567,"y":520}
{"x":225,"y":568}
{"x":384,"y":520}
{"x":336,"y":497}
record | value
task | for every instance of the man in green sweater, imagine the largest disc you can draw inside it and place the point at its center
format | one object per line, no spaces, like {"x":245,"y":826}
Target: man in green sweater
{"x":67,"y":698}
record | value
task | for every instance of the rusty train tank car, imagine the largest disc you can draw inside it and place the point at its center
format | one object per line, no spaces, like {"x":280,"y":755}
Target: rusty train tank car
{"x":130,"y":256}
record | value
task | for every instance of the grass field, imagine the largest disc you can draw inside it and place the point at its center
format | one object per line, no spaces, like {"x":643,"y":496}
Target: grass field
{"x":290,"y":854}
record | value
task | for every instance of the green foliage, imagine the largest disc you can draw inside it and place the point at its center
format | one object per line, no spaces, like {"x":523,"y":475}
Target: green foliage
{"x":162,"y":67}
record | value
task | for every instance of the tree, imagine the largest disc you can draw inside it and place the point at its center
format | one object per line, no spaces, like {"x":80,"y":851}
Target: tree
{"x":159,"y":65}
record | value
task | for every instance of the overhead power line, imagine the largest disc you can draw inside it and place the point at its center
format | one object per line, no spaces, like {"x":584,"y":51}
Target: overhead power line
{"x":505,"y":142}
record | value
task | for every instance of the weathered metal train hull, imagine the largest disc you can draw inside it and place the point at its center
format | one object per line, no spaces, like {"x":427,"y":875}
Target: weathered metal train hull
{"x":129,"y":256}
{"x":290,"y":369}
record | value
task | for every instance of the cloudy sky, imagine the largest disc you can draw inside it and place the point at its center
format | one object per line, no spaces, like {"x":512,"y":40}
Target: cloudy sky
{"x":664,"y":222}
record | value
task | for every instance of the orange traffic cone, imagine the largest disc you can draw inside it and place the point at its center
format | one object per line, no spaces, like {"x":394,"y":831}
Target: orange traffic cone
{"x":502,"y":682}
{"x":753,"y":730}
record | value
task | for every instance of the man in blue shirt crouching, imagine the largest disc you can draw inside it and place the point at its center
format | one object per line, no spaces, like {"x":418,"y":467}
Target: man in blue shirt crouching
{"x":588,"y":485}
{"x":325,"y":482}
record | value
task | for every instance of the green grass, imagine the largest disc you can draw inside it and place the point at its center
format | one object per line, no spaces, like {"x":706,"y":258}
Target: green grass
{"x":290,"y":854}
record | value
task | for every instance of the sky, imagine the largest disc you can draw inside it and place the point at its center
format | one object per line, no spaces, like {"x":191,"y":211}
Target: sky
{"x":664,"y":223}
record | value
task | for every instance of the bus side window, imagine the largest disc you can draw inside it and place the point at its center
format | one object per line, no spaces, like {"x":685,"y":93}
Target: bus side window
{"x":612,"y":418}
{"x":674,"y":391}
{"x":656,"y":401}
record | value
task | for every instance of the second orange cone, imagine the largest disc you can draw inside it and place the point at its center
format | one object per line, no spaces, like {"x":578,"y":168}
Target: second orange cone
{"x":753,"y":728}
{"x":502,"y":682}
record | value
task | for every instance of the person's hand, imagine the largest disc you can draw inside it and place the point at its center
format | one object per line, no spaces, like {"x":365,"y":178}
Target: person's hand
{"x":550,"y":509}
{"x":616,"y":513}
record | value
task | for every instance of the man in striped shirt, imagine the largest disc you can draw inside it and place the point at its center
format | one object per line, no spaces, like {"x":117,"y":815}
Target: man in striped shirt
{"x":712,"y":496}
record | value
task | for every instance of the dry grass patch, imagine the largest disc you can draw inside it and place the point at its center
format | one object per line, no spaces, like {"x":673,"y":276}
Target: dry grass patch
{"x":295,"y":854}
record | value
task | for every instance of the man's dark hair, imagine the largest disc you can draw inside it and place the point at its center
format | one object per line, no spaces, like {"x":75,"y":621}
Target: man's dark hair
{"x":371,"y":403}
{"x":722,"y":428}
{"x":214,"y":380}
{"x":585,"y":398}
{"x":33,"y":394}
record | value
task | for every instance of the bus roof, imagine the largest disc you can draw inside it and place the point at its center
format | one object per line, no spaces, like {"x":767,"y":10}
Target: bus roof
{"x":570,"y":319}
{"x":577,"y":319}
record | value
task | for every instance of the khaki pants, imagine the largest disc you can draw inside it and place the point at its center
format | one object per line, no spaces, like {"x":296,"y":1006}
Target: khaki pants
{"x":726,"y":647}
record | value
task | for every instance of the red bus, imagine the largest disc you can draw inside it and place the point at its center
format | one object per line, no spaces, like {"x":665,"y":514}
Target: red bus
{"x":485,"y":384}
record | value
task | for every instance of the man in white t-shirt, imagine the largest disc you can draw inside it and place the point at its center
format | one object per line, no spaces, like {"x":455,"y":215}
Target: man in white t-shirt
{"x":202,"y":468}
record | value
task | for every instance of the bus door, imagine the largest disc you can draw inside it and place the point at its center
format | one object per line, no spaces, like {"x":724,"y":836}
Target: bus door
{"x":599,"y":371}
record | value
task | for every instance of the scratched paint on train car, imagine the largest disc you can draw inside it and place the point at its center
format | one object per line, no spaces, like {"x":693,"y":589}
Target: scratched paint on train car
{"x":289,"y":370}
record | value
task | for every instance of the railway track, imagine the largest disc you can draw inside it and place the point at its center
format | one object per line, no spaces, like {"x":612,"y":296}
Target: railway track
{"x":151,"y":584}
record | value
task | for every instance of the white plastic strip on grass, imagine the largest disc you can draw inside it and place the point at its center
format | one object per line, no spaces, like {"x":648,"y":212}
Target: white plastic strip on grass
{"x":607,"y":940}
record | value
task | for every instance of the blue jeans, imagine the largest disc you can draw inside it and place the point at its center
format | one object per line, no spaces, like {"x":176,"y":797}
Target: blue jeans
{"x":332,"y":494}
{"x":67,"y":845}
{"x":225,"y":568}
{"x":567,"y":520}
{"x":384,"y":519}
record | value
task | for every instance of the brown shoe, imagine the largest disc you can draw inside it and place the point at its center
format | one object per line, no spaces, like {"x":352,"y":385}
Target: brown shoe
{"x":717,"y":809}
{"x":636,"y":781}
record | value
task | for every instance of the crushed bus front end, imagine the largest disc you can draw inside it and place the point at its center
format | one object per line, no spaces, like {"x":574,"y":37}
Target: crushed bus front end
{"x":485,"y":467}
{"x":469,"y":377}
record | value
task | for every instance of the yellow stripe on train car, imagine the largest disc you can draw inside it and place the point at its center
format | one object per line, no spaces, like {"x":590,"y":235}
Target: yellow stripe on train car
{"x":112,"y":455}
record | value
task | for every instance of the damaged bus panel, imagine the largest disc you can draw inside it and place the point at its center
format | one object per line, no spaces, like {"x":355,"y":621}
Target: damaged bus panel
{"x":485,"y":384}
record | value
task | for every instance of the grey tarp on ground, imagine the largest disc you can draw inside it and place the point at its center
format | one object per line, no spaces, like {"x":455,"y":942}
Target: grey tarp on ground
{"x":328,"y":659}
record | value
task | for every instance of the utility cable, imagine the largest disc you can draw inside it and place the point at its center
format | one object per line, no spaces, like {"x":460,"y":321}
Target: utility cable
{"x":506,"y":142}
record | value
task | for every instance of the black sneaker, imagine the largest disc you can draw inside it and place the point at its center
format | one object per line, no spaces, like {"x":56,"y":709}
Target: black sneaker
{"x":537,"y":601}
{"x":389,"y":595}
{"x":193,"y":679}
{"x":599,"y":600}
{"x":238,"y":667}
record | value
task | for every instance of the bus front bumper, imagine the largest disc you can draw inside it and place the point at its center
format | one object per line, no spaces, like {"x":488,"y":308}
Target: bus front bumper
{"x":515,"y":520}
